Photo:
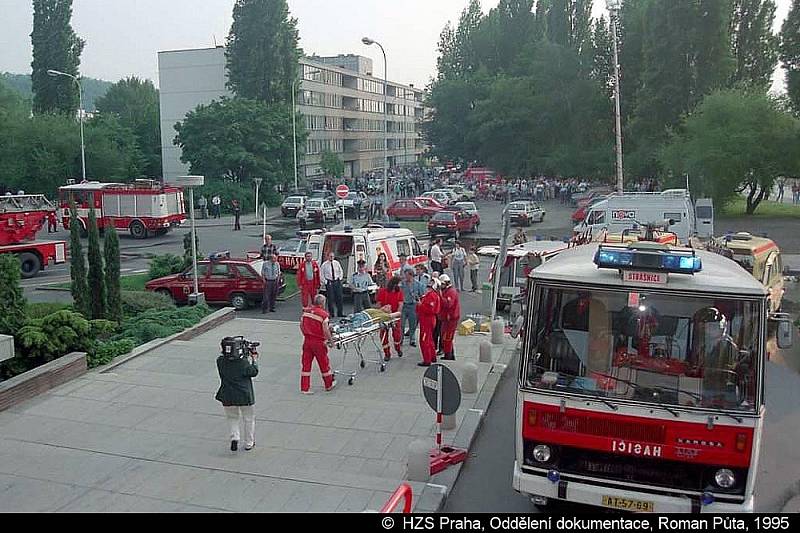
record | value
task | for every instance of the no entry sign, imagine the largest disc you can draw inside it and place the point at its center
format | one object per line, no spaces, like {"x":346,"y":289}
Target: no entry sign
{"x":342,"y":191}
{"x":440,"y":384}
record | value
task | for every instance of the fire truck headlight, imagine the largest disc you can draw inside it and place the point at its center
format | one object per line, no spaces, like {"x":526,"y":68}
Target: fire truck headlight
{"x":541,"y":453}
{"x":725,"y":478}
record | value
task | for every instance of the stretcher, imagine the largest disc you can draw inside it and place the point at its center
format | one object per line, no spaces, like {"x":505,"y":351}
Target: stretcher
{"x":351,"y":340}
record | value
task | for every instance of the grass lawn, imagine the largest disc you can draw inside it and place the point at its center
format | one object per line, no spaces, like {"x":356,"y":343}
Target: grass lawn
{"x":418,"y":227}
{"x":766,"y":209}
{"x":132,"y":282}
{"x":291,"y":283}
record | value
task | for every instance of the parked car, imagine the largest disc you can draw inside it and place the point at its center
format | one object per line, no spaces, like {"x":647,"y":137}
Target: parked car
{"x":291,"y":205}
{"x":463,"y":194}
{"x":427,"y":201}
{"x":323,"y":193}
{"x":318,"y":211}
{"x":410,"y":210}
{"x":355,"y":200}
{"x":237,"y":282}
{"x":453,"y":222}
{"x":292,"y":252}
{"x":470,"y":208}
{"x":444,"y":198}
{"x":451,"y":194}
{"x":525,"y":212}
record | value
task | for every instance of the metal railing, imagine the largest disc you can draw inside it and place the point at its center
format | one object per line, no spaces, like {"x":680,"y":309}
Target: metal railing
{"x":403,"y":492}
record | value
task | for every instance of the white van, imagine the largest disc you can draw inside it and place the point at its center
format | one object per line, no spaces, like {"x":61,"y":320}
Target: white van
{"x":366,"y":243}
{"x":619,"y":212}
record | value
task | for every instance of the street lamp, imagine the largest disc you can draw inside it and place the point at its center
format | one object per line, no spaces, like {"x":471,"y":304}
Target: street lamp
{"x":613,"y":7}
{"x":55,"y":74}
{"x":369,"y":42}
{"x":294,"y":123}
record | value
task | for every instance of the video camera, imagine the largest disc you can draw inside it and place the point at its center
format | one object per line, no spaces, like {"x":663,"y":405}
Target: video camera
{"x":238,"y":347}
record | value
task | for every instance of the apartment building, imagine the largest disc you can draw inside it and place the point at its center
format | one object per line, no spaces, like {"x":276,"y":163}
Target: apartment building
{"x":342,"y":104}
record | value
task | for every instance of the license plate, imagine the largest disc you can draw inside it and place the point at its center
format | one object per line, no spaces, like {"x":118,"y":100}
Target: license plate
{"x":627,"y":504}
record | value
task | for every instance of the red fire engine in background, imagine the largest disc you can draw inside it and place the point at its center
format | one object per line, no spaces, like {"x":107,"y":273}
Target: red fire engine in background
{"x":21,"y":218}
{"x":144,"y":207}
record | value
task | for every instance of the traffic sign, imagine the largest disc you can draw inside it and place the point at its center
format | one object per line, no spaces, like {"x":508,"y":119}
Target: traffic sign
{"x":342,"y":191}
{"x":440,"y":380}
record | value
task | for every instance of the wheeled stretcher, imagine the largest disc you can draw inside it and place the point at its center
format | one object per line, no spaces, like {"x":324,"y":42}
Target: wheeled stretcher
{"x":351,"y":339}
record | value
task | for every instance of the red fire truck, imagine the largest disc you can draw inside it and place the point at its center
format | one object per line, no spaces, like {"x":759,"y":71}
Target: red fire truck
{"x":21,"y":218}
{"x":641,"y":382}
{"x":144,"y":207}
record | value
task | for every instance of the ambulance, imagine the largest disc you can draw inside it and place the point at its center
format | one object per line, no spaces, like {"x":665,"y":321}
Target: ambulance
{"x":641,"y":380}
{"x":351,"y":245}
{"x":619,"y":212}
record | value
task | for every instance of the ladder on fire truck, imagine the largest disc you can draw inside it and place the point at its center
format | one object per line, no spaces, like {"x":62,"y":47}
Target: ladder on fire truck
{"x":20,"y":203}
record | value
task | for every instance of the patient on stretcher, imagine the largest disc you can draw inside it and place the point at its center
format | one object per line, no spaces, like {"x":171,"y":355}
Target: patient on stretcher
{"x":356,"y":321}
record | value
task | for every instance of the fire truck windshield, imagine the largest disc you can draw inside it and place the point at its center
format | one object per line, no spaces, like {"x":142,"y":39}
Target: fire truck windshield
{"x":646,"y":346}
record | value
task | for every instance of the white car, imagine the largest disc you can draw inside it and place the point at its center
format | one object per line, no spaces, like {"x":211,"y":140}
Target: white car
{"x":464,"y":194}
{"x":451,"y":194}
{"x":354,"y":198}
{"x":525,"y":212}
{"x":443,"y":197}
{"x":469,"y":207}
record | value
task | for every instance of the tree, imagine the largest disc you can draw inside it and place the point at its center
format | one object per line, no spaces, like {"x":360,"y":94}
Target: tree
{"x":239,"y":139}
{"x":331,"y":165}
{"x":96,"y":277}
{"x":56,"y":47}
{"x":112,"y":151}
{"x":13,"y":316}
{"x":112,"y":274}
{"x":135,"y":103}
{"x":77,"y":265}
{"x":736,"y":141}
{"x":262,"y":51}
{"x":753,"y":45}
{"x":790,"y":53}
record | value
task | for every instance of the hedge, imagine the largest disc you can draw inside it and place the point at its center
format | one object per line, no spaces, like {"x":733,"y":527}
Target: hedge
{"x":135,"y":302}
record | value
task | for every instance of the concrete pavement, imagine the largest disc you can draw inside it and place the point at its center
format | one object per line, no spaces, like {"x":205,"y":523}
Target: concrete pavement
{"x":149,"y":436}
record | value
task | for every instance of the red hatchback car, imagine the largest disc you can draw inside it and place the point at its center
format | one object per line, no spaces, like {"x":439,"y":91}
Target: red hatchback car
{"x":410,"y":210}
{"x":429,"y":202}
{"x":237,"y":282}
{"x":453,"y":222}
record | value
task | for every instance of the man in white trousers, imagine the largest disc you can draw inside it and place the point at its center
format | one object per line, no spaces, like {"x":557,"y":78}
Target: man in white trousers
{"x":237,"y":368}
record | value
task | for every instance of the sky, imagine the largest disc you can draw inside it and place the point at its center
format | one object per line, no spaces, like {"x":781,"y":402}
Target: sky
{"x":123,"y":37}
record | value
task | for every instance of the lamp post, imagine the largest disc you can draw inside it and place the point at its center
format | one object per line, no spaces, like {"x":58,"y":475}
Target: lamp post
{"x":294,"y":123}
{"x":190,"y":182}
{"x":81,"y":111}
{"x":367,"y":41}
{"x":613,"y":7}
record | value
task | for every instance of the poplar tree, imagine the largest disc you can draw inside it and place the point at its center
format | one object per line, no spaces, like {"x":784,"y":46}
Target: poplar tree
{"x":77,"y":265}
{"x":96,"y":278}
{"x":790,"y":53}
{"x":112,"y":274}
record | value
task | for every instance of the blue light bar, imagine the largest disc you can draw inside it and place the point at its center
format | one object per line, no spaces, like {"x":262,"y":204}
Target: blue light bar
{"x":613,"y":258}
{"x":651,"y":258}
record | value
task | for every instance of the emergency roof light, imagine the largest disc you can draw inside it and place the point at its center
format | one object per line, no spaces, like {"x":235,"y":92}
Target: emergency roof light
{"x":648,"y":256}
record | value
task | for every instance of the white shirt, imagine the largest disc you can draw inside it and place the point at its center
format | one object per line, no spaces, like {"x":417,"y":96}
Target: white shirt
{"x":436,"y":253}
{"x":331,"y":271}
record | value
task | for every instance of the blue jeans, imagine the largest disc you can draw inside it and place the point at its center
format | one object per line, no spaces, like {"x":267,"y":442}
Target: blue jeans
{"x":409,"y":315}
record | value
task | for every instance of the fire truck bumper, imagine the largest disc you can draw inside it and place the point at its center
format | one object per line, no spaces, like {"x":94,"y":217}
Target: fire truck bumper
{"x":590,"y":494}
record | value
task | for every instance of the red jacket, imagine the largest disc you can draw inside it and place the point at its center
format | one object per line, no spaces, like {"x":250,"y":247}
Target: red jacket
{"x":393,"y":299}
{"x":451,"y":306}
{"x":311,"y":323}
{"x":429,"y":305}
{"x":302,"y":282}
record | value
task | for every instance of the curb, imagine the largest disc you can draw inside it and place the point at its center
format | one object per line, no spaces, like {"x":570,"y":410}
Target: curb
{"x":211,"y":321}
{"x":434,"y":495}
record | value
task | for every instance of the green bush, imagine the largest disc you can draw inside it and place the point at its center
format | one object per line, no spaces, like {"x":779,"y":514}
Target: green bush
{"x":59,"y":333}
{"x":155,"y":324}
{"x":11,"y":297}
{"x":106,"y":351}
{"x":42,"y":309}
{"x":165,"y":265}
{"x":135,"y":302}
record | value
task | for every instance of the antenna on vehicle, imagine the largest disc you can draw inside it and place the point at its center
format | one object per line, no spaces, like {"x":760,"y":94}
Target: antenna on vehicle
{"x":214,"y":38}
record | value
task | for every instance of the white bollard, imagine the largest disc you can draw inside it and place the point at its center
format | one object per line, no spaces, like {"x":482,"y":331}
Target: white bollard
{"x":448,"y":421}
{"x":498,"y":330}
{"x":485,"y":352}
{"x":469,"y":378}
{"x":418,"y":465}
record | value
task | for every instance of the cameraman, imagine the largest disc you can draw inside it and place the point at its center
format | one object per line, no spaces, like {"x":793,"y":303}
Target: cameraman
{"x":237,"y":367}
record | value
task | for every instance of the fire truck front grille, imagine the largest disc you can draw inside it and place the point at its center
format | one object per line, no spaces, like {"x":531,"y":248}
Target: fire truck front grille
{"x":638,"y":431}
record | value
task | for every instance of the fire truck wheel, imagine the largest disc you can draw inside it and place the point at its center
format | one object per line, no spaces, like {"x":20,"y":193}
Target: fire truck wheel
{"x":30,"y":264}
{"x":239,"y":301}
{"x":137,"y":229}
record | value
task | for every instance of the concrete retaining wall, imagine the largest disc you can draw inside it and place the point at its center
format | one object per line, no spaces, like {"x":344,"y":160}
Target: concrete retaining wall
{"x":41,"y":379}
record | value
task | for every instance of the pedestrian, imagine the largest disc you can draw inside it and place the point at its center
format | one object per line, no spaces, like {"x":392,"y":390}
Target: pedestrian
{"x":237,"y":212}
{"x":237,"y":368}
{"x":308,"y":280}
{"x":404,"y":266}
{"x":390,"y":299}
{"x":781,"y":185}
{"x":412,"y":291}
{"x":437,"y":328}
{"x":421,"y":274}
{"x":216,"y":204}
{"x":380,"y":270}
{"x":269,"y":248}
{"x":435,"y":255}
{"x":316,"y":330}
{"x":332,"y":275}
{"x":458,"y":261}
{"x":271,"y":272}
{"x":202,"y":203}
{"x":520,"y":237}
{"x":52,"y":222}
{"x":428,"y":308}
{"x":450,"y":316}
{"x":361,"y":284}
{"x":474,"y":263}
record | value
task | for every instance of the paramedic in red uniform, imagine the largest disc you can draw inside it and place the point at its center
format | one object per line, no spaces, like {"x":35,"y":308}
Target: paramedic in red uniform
{"x":390,"y":299}
{"x":427,"y":310}
{"x":316,"y":334}
{"x":308,"y":280}
{"x":450,"y":315}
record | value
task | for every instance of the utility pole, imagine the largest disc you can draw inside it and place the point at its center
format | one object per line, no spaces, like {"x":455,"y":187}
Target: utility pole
{"x":613,"y":8}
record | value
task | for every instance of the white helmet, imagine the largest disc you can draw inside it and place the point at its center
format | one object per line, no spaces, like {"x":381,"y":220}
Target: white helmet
{"x":444,"y":279}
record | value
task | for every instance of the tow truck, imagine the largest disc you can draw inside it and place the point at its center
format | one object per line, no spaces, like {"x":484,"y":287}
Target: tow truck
{"x":21,"y":218}
{"x":641,"y":382}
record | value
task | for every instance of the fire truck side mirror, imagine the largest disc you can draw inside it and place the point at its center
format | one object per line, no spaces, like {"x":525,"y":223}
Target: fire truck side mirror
{"x":785,"y":330}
